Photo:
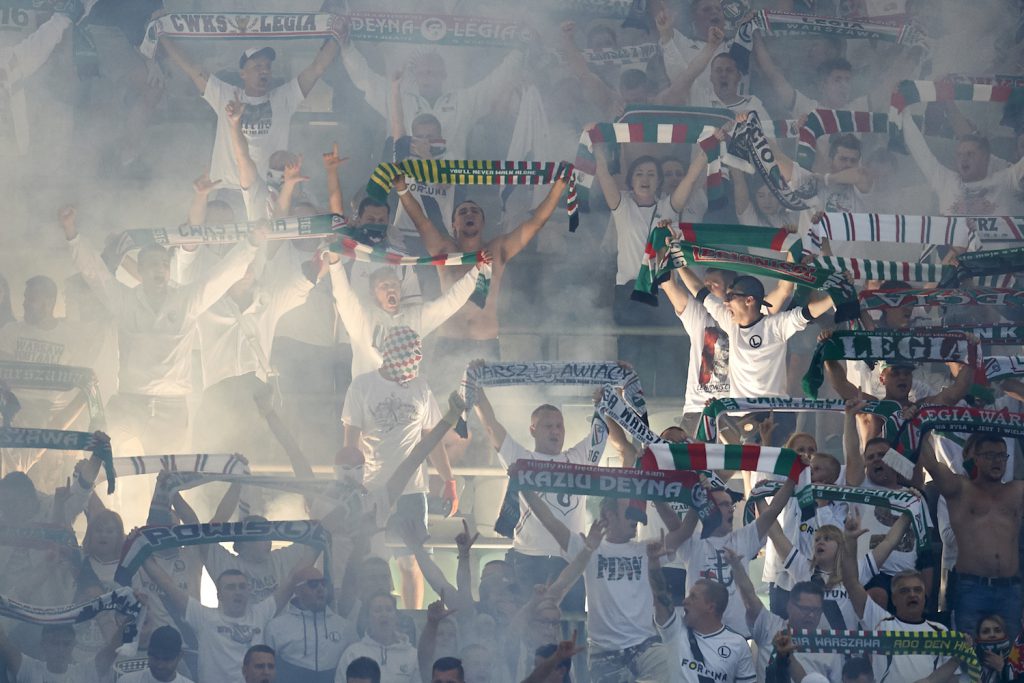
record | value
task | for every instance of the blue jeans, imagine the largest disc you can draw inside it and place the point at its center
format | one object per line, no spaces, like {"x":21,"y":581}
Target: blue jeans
{"x":975,"y":598}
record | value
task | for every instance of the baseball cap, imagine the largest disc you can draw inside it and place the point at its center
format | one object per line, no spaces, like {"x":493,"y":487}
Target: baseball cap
{"x":748,"y":285}
{"x":165,"y":643}
{"x":256,"y":52}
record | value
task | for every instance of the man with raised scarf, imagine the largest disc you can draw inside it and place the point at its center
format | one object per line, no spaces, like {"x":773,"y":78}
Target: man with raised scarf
{"x":985,"y":514}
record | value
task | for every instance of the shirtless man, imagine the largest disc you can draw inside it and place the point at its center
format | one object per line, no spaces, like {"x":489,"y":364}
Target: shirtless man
{"x":473,"y":332}
{"x":987,"y":512}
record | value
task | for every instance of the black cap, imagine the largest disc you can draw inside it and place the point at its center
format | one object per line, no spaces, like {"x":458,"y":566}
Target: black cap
{"x":256,"y":52}
{"x":165,"y":642}
{"x":748,"y":285}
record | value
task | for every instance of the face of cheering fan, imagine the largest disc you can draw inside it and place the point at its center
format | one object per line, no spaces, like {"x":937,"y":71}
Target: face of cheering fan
{"x":468,"y":221}
{"x":876,"y":470}
{"x":990,"y":631}
{"x":805,"y":446}
{"x":716,"y":283}
{"x":766,"y":202}
{"x":256,"y":75}
{"x":233,"y":593}
{"x":155,"y":270}
{"x":672,"y":173}
{"x":725,"y":77}
{"x":804,"y":610}
{"x":548,"y":431}
{"x":723,"y":501}
{"x":644,"y":183}
{"x":908,"y":596}
{"x":387,"y":292}
{"x":990,"y":460}
{"x":826,"y":547}
{"x":835,"y":88}
{"x":971,"y":161}
{"x":845,"y":159}
{"x":430,"y":74}
{"x":897,"y":382}
{"x":705,"y":14}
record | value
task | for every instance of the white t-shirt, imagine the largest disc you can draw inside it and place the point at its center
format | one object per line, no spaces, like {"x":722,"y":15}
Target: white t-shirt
{"x":424,"y":193}
{"x":145,"y":676}
{"x":185,"y":568}
{"x":903,"y":667}
{"x":878,"y":519}
{"x":757,"y":353}
{"x":829,"y":665}
{"x":633,"y":224}
{"x":531,"y":538}
{"x":263,"y":577}
{"x":869,"y":381}
{"x":223,"y":640}
{"x":750,"y":103}
{"x":705,"y":559}
{"x":392,"y":418}
{"x":725,"y":654}
{"x":803,"y":105}
{"x":34,"y":671}
{"x":797,"y":567}
{"x":620,"y":604}
{"x":265,"y":124}
{"x":707,"y":376}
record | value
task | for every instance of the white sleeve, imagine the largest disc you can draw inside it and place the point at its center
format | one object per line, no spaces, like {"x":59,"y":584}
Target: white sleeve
{"x":480,"y":97}
{"x":350,"y":310}
{"x":746,"y":542}
{"x":574,"y":548}
{"x":745,"y":666}
{"x":802,"y":104}
{"x":672,"y":56}
{"x":866,"y":568}
{"x":873,"y":615}
{"x":797,"y":566}
{"x":764,"y":628}
{"x":289,"y":96}
{"x":579,"y":453}
{"x":24,"y":59}
{"x":718,"y":311}
{"x":194,"y":614}
{"x":264,"y":610}
{"x":434,"y":313}
{"x":219,"y":560}
{"x":257,"y":201}
{"x":511,"y":451}
{"x":431,"y":412}
{"x":939,"y":177}
{"x":374,"y":87}
{"x":671,"y":631}
{"x":217,"y":94}
{"x":219,"y":279}
{"x":94,"y":271}
{"x":353,"y":411}
{"x":786,"y":324}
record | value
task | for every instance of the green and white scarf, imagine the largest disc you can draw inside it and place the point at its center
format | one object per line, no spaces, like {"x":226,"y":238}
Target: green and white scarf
{"x":872,"y":227}
{"x":156,"y":539}
{"x":627,"y":55}
{"x":121,"y":600}
{"x":570,"y":479}
{"x":436,"y":29}
{"x":57,"y":378}
{"x":821,"y":122}
{"x":913,"y":92}
{"x":876,"y":299}
{"x":992,"y":335}
{"x":681,"y":254}
{"x":902,"y":501}
{"x":912,"y":346}
{"x":207,"y":463}
{"x":292,"y":228}
{"x":985,"y":263}
{"x":705,"y":456}
{"x":870,"y":269}
{"x":61,"y":440}
{"x":893,"y":643}
{"x":1003,"y":367}
{"x":997,"y":229}
{"x":445,"y":172}
{"x":707,"y":428}
{"x":611,"y":406}
{"x":241,"y":26}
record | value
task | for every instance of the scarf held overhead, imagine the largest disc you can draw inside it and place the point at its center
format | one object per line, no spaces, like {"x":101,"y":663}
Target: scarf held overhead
{"x":822,"y":122}
{"x":911,"y":347}
{"x":295,"y":227}
{"x":701,"y":456}
{"x":61,"y":440}
{"x":445,"y":172}
{"x":985,"y":263}
{"x":436,"y":29}
{"x":875,"y":299}
{"x":121,"y":600}
{"x":57,"y":378}
{"x":949,"y":231}
{"x":707,"y":427}
{"x":241,"y":25}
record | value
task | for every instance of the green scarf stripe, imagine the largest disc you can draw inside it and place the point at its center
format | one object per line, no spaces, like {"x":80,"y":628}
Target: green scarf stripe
{"x":886,"y":345}
{"x":874,"y":299}
{"x":700,"y":457}
{"x":241,"y":26}
{"x":57,"y":378}
{"x":892,"y":643}
{"x":870,"y":269}
{"x":564,"y":478}
{"x":985,"y":263}
{"x":62,"y":440}
{"x":294,"y":227}
{"x":707,"y":427}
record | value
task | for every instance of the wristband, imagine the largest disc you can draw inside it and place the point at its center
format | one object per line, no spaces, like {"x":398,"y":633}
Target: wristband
{"x":403,"y":191}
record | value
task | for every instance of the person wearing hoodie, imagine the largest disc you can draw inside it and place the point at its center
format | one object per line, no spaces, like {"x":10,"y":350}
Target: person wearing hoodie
{"x":383,"y":643}
{"x":308,"y":637}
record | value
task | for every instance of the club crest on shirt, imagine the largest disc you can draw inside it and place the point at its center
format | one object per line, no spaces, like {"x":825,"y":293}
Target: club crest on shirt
{"x":242,"y":634}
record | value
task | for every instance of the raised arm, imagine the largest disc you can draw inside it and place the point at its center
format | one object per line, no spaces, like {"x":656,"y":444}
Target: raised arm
{"x":202,"y":187}
{"x":94,"y":271}
{"x":851,"y":578}
{"x":332,"y":166}
{"x":427,"y":646}
{"x":949,"y":482}
{"x":609,"y":187}
{"x":769,"y":69}
{"x":436,"y":312}
{"x":885,"y":547}
{"x":514,"y":242}
{"x":772,"y":512}
{"x":680,"y":195}
{"x":485,"y":411}
{"x":248,"y":174}
{"x":554,"y":527}
{"x":952,"y":394}
{"x":312,"y":73}
{"x":599,"y":94}
{"x":775,"y":533}
{"x":428,"y":443}
{"x":435,"y":240}
{"x":396,"y":111}
{"x":852,"y":452}
{"x":741,"y":578}
{"x":350,"y":309}
{"x":690,"y":279}
{"x":679,"y":530}
{"x":677,"y":294}
{"x":566,"y":579}
{"x":663,"y":608}
{"x":836,"y":375}
{"x":199,"y":76}
{"x":931,"y":167}
{"x":373,"y":86}
{"x":679,"y":91}
{"x":283,"y":592}
{"x":174,"y":596}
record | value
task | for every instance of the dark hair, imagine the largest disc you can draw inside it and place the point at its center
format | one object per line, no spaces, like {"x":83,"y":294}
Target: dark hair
{"x":370,"y":201}
{"x":808,"y":588}
{"x":363,"y":667}
{"x":631,"y":79}
{"x":468,"y":201}
{"x":893,"y":286}
{"x":846,"y":141}
{"x":428,"y":119}
{"x":449,"y":664}
{"x":42,"y":282}
{"x":877,"y":440}
{"x":164,"y":643}
{"x":976,"y":439}
{"x":856,"y":667}
{"x":830,"y":65}
{"x":219,"y":204}
{"x":724,"y":55}
{"x":635,"y":164}
{"x":716,"y":592}
{"x":254,"y":650}
{"x":229,"y":572}
{"x":153,"y":249}
{"x":365,"y":610}
{"x":546,"y":651}
{"x":980,"y":140}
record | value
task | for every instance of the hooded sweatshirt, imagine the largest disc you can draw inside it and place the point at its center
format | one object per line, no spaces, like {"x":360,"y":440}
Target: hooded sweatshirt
{"x":308,"y":644}
{"x":398,"y":662}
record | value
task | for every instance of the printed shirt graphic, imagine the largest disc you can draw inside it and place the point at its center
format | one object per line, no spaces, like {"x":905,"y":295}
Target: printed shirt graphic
{"x":619,"y":596}
{"x":722,"y":656}
{"x":391,"y":418}
{"x":223,"y":640}
{"x":531,"y":538}
{"x":707,"y":375}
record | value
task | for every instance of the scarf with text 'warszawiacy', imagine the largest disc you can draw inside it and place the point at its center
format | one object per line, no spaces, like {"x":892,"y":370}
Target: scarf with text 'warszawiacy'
{"x":447,"y":172}
{"x":885,"y":345}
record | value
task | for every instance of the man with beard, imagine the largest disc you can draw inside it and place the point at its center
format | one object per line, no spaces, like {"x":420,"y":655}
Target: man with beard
{"x":985,"y":514}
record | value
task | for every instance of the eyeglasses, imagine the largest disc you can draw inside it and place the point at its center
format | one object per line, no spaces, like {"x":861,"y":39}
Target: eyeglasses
{"x":993,"y":456}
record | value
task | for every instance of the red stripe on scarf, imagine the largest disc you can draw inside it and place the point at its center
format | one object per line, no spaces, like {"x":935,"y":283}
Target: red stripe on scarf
{"x":688,"y":233}
{"x":749,"y":457}
{"x":862,"y":121}
{"x":679,"y":133}
{"x":698,"y":457}
{"x":636,"y":132}
{"x":779,"y":239}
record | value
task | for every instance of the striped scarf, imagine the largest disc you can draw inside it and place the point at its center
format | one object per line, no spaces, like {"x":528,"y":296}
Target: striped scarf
{"x":872,"y":227}
{"x":982,"y":263}
{"x":121,"y":600}
{"x":751,"y":144}
{"x":206,"y":463}
{"x":992,"y":335}
{"x":913,"y":92}
{"x":892,"y":643}
{"x":900,"y":500}
{"x":686,"y":254}
{"x":784,"y":24}
{"x":870,"y":269}
{"x":823,"y":122}
{"x":291,"y":228}
{"x":887,"y":345}
{"x":57,"y":378}
{"x":1003,"y":367}
{"x":61,"y":440}
{"x":703,"y":456}
{"x":661,"y":125}
{"x":445,"y":172}
{"x":436,"y":29}
{"x":707,"y":428}
{"x":996,"y":229}
{"x":612,"y":407}
{"x":241,"y":26}
{"x":874,"y":299}
{"x":156,"y":539}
